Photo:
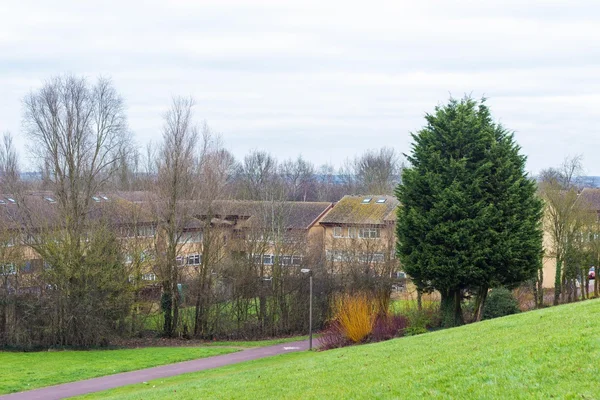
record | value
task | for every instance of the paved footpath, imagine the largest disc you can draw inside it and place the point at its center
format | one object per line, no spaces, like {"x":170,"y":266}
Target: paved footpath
{"x":144,"y":375}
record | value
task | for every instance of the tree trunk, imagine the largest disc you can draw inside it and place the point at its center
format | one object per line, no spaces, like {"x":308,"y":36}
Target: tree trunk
{"x":482,"y":293}
{"x":596,"y":277}
{"x":419,"y":300}
{"x":585,"y":285}
{"x":540,"y":288}
{"x":557,"y":282}
{"x":450,"y":308}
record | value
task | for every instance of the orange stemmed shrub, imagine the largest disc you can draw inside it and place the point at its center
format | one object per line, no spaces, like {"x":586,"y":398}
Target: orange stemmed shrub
{"x":355,"y":315}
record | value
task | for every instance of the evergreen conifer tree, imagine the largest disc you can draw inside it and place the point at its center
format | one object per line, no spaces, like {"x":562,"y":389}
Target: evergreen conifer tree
{"x":469,"y":216}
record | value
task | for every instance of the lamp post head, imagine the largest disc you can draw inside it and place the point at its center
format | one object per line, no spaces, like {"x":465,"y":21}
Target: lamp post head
{"x":305,"y":271}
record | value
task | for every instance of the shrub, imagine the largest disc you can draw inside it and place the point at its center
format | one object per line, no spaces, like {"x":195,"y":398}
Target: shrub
{"x":500,"y":302}
{"x":414,"y":330}
{"x":333,"y":337}
{"x":388,"y":326}
{"x":355,"y":315}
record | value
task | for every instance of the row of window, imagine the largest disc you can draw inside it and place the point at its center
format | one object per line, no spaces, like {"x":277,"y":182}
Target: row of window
{"x":139,"y":231}
{"x":353,"y":232}
{"x":145,"y":277}
{"x":190,"y":259}
{"x":349,"y":256}
{"x":270,"y":259}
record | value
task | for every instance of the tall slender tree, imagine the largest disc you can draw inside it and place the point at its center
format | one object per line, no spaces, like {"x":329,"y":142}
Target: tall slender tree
{"x":176,"y":183}
{"x":469,"y":217}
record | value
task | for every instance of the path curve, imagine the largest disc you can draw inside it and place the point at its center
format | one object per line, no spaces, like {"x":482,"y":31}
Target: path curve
{"x":143,"y":375}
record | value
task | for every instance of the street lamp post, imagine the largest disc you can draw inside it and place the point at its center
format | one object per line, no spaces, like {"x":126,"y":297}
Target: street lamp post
{"x":310,"y":318}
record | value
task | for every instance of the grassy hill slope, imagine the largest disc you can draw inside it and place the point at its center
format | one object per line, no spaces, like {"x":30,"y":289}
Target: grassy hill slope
{"x":548,"y":353}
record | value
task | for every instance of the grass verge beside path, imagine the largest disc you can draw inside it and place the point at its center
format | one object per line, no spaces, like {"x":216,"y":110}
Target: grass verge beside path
{"x":542,"y":354}
{"x":25,"y":371}
{"x":258,"y":343}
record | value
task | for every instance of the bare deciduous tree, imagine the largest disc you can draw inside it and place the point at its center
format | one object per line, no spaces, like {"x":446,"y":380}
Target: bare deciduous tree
{"x":564,"y":216}
{"x":176,"y":182}
{"x":377,"y":171}
{"x":215,"y":168}
{"x":257,"y":176}
{"x":300,"y":180}
{"x":9,"y":164}
{"x":76,"y":130}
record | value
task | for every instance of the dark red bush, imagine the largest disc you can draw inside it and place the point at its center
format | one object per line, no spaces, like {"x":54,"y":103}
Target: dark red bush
{"x":388,"y":327}
{"x":333,"y":337}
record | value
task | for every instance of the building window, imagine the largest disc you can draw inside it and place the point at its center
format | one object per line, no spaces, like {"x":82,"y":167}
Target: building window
{"x":194,"y":259}
{"x":179,"y":260}
{"x":337,"y":232}
{"x":338,"y":255}
{"x":28,"y":267}
{"x":140,"y":231}
{"x":378,"y":257}
{"x":352,"y":232}
{"x":286,"y":260}
{"x":368,"y":233}
{"x":296,"y":260}
{"x":149,"y":277}
{"x":8,"y":269}
{"x":268,"y":259}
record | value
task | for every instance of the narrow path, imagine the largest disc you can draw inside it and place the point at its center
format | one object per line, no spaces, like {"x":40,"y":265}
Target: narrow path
{"x":128,"y":378}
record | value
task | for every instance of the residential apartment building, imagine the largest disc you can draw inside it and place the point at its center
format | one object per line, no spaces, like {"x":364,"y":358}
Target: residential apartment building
{"x":359,"y":233}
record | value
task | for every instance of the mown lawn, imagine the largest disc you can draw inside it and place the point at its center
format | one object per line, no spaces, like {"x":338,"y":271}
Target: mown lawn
{"x":551,"y":353}
{"x":24,"y":371}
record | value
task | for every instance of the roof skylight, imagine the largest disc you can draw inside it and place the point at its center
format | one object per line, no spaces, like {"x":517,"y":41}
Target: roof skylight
{"x":380,"y":201}
{"x":366,"y":200}
{"x":96,"y":199}
{"x":50,"y":200}
{"x":10,"y":199}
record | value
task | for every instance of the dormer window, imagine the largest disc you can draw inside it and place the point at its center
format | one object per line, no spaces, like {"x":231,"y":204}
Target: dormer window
{"x":367,"y":200}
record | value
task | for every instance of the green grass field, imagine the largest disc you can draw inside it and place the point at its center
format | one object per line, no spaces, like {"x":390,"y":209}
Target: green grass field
{"x":550,"y":353}
{"x":24,"y":371}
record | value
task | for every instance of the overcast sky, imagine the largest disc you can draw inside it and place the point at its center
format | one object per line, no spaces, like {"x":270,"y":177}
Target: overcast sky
{"x":322,"y":79}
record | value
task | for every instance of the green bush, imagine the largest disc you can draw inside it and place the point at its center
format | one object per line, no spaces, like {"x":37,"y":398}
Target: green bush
{"x":414,"y":330}
{"x":500,"y":302}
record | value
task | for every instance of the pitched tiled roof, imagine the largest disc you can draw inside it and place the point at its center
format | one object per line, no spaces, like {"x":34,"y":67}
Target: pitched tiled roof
{"x":356,"y":210}
{"x":287,"y":214}
{"x":591,"y":198}
{"x":124,"y":208}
